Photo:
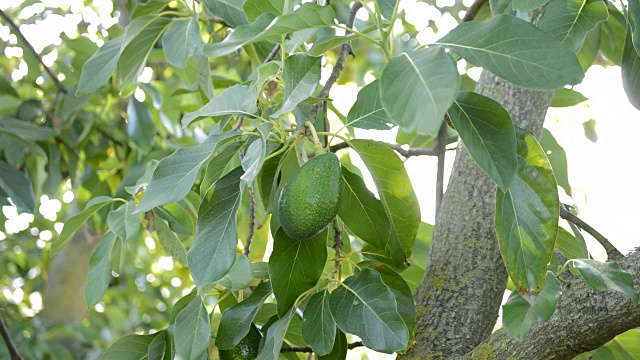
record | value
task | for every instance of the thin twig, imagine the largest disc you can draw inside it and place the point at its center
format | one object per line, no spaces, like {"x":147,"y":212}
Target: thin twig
{"x":309,"y":349}
{"x":337,"y":246}
{"x":252,"y":220}
{"x":407,"y":153}
{"x":19,"y":34}
{"x":272,"y":54}
{"x":339,"y":65}
{"x":13,"y":351}
{"x":441,"y":148}
{"x":109,"y":136}
{"x":473,"y":10}
{"x":612,"y":252}
{"x":238,"y":124}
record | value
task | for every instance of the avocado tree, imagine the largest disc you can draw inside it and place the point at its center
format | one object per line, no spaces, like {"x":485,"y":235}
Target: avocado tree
{"x":200,"y":151}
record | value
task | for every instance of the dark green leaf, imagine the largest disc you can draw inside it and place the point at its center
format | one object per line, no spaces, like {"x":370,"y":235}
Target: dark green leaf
{"x":301,"y":77}
{"x":567,"y":97}
{"x":214,"y":247}
{"x":486,"y":129}
{"x":570,"y":246}
{"x":367,"y":112}
{"x":124,"y":223}
{"x":295,"y":266}
{"x":149,"y":8}
{"x":329,"y":42}
{"x":181,"y":304}
{"x":74,"y":223}
{"x":254,"y":8}
{"x":527,"y":5}
{"x":228,"y":10}
{"x":396,"y":193}
{"x":236,"y":100}
{"x":7,"y":89}
{"x":633,"y":16}
{"x":99,"y":271}
{"x":387,"y":8}
{"x":612,"y":39}
{"x":318,"y":326}
{"x":178,"y":217}
{"x":264,"y":27}
{"x":158,"y":347}
{"x":501,"y":7}
{"x":192,"y":331}
{"x":239,"y":276}
{"x":364,"y":306}
{"x":169,"y":241}
{"x":527,"y":216}
{"x":539,"y":62}
{"x":255,"y":155}
{"x":130,"y":347}
{"x":18,"y":186}
{"x":175,"y":174}
{"x":275,"y":336}
{"x":631,"y":73}
{"x":591,"y":47}
{"x":557,"y":158}
{"x":203,"y":77}
{"x":606,"y":276}
{"x":340,"y":348}
{"x":25,"y":130}
{"x":417,"y":88}
{"x":569,"y":21}
{"x":98,"y":69}
{"x":140,"y":126}
{"x":181,"y":40}
{"x":520,"y":314}
{"x":236,"y":321}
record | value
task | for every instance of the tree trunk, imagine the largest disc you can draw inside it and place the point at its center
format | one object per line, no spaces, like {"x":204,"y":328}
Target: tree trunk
{"x":458,"y":299}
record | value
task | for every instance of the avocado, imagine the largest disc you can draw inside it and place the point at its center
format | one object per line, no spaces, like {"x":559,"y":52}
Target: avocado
{"x":310,"y":198}
{"x":247,"y":348}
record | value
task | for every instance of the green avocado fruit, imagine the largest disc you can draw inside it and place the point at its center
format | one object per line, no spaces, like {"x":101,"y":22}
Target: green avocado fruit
{"x":310,"y":198}
{"x":247,"y":348}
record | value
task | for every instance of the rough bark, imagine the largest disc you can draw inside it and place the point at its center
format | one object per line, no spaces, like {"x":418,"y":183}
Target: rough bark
{"x":458,"y":299}
{"x":585,"y":320}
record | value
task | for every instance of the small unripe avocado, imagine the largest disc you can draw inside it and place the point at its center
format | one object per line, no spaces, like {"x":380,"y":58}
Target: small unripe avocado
{"x":310,"y":198}
{"x":247,"y":348}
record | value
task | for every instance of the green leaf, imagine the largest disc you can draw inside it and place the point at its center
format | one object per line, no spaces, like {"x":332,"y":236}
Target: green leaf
{"x":569,"y":21}
{"x":301,"y":76}
{"x":74,"y":223}
{"x":527,"y":5}
{"x":633,"y":16}
{"x":527,"y":216}
{"x":181,"y":304}
{"x":275,"y":336}
{"x":486,"y":129}
{"x":255,"y":155}
{"x":149,"y":8}
{"x":225,"y":161}
{"x":181,"y":40}
{"x":263,"y":74}
{"x":329,"y":42}
{"x":203,"y":77}
{"x":606,"y":276}
{"x":340,"y":348}
{"x":175,"y":174}
{"x":236,"y":321}
{"x":254,"y":8}
{"x":520,"y":314}
{"x":192,"y":331}
{"x":130,"y":347}
{"x":396,"y":192}
{"x":612,"y":39}
{"x":362,"y":213}
{"x":590,"y":132}
{"x":567,"y":97}
{"x":295,"y":266}
{"x":179,"y":218}
{"x":364,"y":306}
{"x":590,"y":49}
{"x":570,"y":246}
{"x":318,"y":326}
{"x":417,"y":88}
{"x":124,"y":223}
{"x":236,"y":100}
{"x":25,"y":130}
{"x":140,"y":126}
{"x":308,"y":16}
{"x":169,"y":241}
{"x":214,"y":247}
{"x":501,"y":7}
{"x":7,"y":89}
{"x":540,"y":62}
{"x":228,"y":10}
{"x":137,"y":44}
{"x":158,"y":347}
{"x":368,"y":112}
{"x":98,"y":69}
{"x":18,"y":186}
{"x":557,"y":158}
{"x":99,"y":271}
{"x":631,"y":73}
{"x":239,"y":276}
{"x":387,"y":8}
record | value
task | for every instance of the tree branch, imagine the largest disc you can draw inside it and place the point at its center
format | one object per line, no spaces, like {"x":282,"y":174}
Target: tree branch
{"x":440,"y":149}
{"x":612,"y":252}
{"x":473,"y":10}
{"x":18,"y":33}
{"x":252,"y":220}
{"x":585,"y":320}
{"x":272,"y":54}
{"x":310,"y":350}
{"x":13,"y":351}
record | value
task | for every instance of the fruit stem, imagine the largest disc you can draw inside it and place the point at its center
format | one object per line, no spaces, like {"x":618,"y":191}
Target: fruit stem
{"x":316,"y":142}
